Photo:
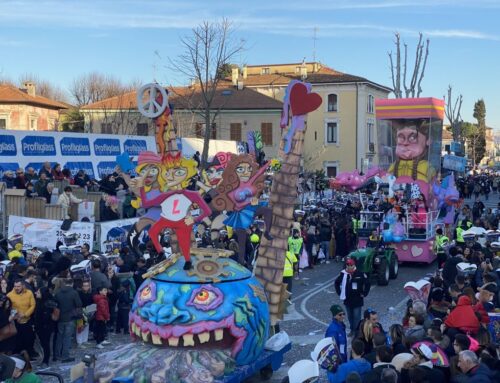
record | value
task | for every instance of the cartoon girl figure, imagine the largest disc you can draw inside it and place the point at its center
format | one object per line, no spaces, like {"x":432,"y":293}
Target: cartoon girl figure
{"x":180,"y":209}
{"x":238,"y":192}
{"x":150,"y":183}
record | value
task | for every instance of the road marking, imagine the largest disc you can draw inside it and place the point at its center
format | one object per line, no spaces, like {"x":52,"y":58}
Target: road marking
{"x":306,"y":339}
{"x":303,"y":305}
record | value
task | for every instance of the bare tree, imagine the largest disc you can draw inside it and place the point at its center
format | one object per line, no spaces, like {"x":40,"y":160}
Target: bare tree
{"x":207,"y":51}
{"x":452,"y":112}
{"x":399,"y":70}
{"x":95,"y":86}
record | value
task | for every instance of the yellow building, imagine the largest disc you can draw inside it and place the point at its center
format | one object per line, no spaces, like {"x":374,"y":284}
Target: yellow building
{"x":341,"y":134}
{"x":237,"y":111}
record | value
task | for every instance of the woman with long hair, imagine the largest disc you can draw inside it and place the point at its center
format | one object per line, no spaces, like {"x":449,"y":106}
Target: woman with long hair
{"x":397,"y":334}
{"x":6,"y":317}
{"x":238,"y":191}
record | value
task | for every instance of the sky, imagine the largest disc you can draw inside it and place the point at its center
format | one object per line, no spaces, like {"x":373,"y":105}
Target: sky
{"x":133,"y":39}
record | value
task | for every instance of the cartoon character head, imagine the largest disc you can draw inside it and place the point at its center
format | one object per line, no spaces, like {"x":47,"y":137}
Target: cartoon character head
{"x":239,"y":171}
{"x":412,"y":139}
{"x":231,"y":314}
{"x":213,"y":173}
{"x":149,"y":167}
{"x":177,"y":171}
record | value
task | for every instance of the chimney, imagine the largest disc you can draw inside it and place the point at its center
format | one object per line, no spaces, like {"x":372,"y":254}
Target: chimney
{"x":316,"y":67}
{"x":240,"y":84}
{"x":30,"y":88}
{"x":234,"y":75}
{"x":244,"y":72}
{"x":303,"y":71}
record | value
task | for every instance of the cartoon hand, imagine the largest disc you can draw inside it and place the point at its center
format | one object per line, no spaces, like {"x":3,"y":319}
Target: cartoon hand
{"x":189,"y":220}
{"x":137,"y":182}
{"x":254,"y":201}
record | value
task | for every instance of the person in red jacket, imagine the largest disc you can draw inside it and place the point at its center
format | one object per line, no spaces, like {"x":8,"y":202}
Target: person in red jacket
{"x":463,"y":317}
{"x":101,"y":316}
{"x":484,"y":305}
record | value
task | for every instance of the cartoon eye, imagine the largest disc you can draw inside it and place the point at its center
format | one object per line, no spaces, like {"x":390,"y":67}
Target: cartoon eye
{"x":180,"y":172}
{"x":206,"y":298}
{"x":147,"y":294}
{"x":240,"y":169}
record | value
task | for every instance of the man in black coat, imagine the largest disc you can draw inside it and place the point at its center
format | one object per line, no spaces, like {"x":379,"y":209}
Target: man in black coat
{"x":450,"y":266}
{"x":383,"y":361}
{"x":352,"y":286}
{"x":422,"y":356}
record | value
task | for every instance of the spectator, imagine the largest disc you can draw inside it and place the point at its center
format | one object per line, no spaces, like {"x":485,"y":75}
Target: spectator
{"x":85,"y":293}
{"x":474,"y":371}
{"x":378,"y":341}
{"x":46,"y":307}
{"x":108,"y":206}
{"x":23,"y":301}
{"x":20,"y":180}
{"x":125,"y":300}
{"x":4,"y":286}
{"x":139,"y":272}
{"x":30,"y":190}
{"x":397,"y":334}
{"x":70,"y":307}
{"x":82,"y":179}
{"x":352,"y":286}
{"x":460,"y":343}
{"x":30,"y":175}
{"x":57,"y":173}
{"x":356,"y":364}
{"x":422,"y":356}
{"x":337,"y":330}
{"x":101,"y":316}
{"x":97,"y":279}
{"x":7,"y":316}
{"x":66,"y":199}
{"x":484,"y":305}
{"x":67,"y":176}
{"x":416,"y":327}
{"x":450,"y":266}
{"x":8,"y":178}
{"x":383,"y":358}
{"x":22,"y":372}
{"x":46,"y":169}
{"x":41,"y":187}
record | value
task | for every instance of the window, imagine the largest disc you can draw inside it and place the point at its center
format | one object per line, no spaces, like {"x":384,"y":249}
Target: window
{"x":33,"y":123}
{"x":332,"y":132}
{"x":332,"y":103}
{"x":370,"y":106}
{"x":266,"y":71}
{"x":370,"y":131}
{"x":235,"y":132}
{"x":199,"y":131}
{"x":3,"y":123}
{"x":266,"y":131}
{"x":142,"y":129}
{"x":331,"y":171}
{"x":106,"y":128}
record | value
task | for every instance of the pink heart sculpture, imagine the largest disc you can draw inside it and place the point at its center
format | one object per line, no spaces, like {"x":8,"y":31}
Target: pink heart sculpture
{"x":303,"y":102}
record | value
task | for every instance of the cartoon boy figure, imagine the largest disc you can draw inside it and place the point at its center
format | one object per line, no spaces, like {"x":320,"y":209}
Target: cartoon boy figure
{"x":412,"y":143}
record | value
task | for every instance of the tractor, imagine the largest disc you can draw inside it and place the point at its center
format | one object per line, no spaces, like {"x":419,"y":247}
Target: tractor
{"x":377,"y":262}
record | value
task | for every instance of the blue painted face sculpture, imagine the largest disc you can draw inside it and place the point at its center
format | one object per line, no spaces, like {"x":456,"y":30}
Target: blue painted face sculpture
{"x":176,"y":309}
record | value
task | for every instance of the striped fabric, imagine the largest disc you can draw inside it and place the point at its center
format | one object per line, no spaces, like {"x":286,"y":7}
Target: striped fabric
{"x":409,"y":108}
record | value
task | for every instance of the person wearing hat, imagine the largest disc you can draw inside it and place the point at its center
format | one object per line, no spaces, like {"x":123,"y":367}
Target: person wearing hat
{"x":336,"y":330}
{"x":352,"y":286}
{"x":21,"y":372}
{"x":422,"y":360}
{"x":484,"y":304}
{"x":440,"y":241}
{"x":303,"y":371}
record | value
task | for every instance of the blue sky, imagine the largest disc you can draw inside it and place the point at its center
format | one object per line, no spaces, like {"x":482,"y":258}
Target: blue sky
{"x":132,"y":39}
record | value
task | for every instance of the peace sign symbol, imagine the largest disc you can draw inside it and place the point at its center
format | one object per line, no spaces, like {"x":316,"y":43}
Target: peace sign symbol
{"x":151,"y":108}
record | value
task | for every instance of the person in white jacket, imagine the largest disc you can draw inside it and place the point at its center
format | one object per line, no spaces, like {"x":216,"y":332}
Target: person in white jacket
{"x":66,"y":199}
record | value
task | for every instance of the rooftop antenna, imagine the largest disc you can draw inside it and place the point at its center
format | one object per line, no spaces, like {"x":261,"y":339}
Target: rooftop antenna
{"x":315,"y":31}
{"x":155,"y":66}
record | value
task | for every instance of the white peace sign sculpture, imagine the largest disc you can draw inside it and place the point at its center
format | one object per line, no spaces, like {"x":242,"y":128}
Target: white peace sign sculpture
{"x":151,"y":108}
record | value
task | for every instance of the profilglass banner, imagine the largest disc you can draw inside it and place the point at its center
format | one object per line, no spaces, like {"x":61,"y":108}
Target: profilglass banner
{"x":94,"y":153}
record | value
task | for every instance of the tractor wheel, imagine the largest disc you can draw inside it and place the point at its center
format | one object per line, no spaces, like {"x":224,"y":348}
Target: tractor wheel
{"x":393,"y":266}
{"x":383,"y":273}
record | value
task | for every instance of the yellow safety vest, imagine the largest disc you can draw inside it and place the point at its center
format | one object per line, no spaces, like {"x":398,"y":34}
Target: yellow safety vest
{"x":356,"y":224}
{"x":290,"y":259}
{"x":460,"y":237}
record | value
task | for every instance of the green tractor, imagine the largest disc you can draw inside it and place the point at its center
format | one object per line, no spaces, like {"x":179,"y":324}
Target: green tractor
{"x":377,"y":262}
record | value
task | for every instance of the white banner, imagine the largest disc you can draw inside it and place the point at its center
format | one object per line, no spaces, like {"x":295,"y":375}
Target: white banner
{"x":115,"y":231}
{"x":44,"y":233}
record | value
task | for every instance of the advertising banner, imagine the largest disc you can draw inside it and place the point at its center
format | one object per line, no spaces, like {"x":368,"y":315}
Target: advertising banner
{"x":94,"y":153}
{"x":115,"y":232}
{"x":45,"y":233}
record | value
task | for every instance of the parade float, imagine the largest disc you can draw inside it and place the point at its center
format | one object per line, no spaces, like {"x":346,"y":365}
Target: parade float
{"x":409,"y":160}
{"x":201,"y":314}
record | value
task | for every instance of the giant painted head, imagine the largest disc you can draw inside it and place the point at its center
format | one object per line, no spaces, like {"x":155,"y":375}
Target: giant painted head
{"x":411,"y":139}
{"x":176,"y":309}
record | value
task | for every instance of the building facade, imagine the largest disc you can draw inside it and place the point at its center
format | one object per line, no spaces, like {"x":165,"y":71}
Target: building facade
{"x":235,"y":113}
{"x":22,"y":109}
{"x":341,"y":135}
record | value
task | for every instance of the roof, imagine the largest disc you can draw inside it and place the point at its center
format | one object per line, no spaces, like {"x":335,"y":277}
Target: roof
{"x":226,"y":98}
{"x":324,"y":75}
{"x":9,"y":94}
